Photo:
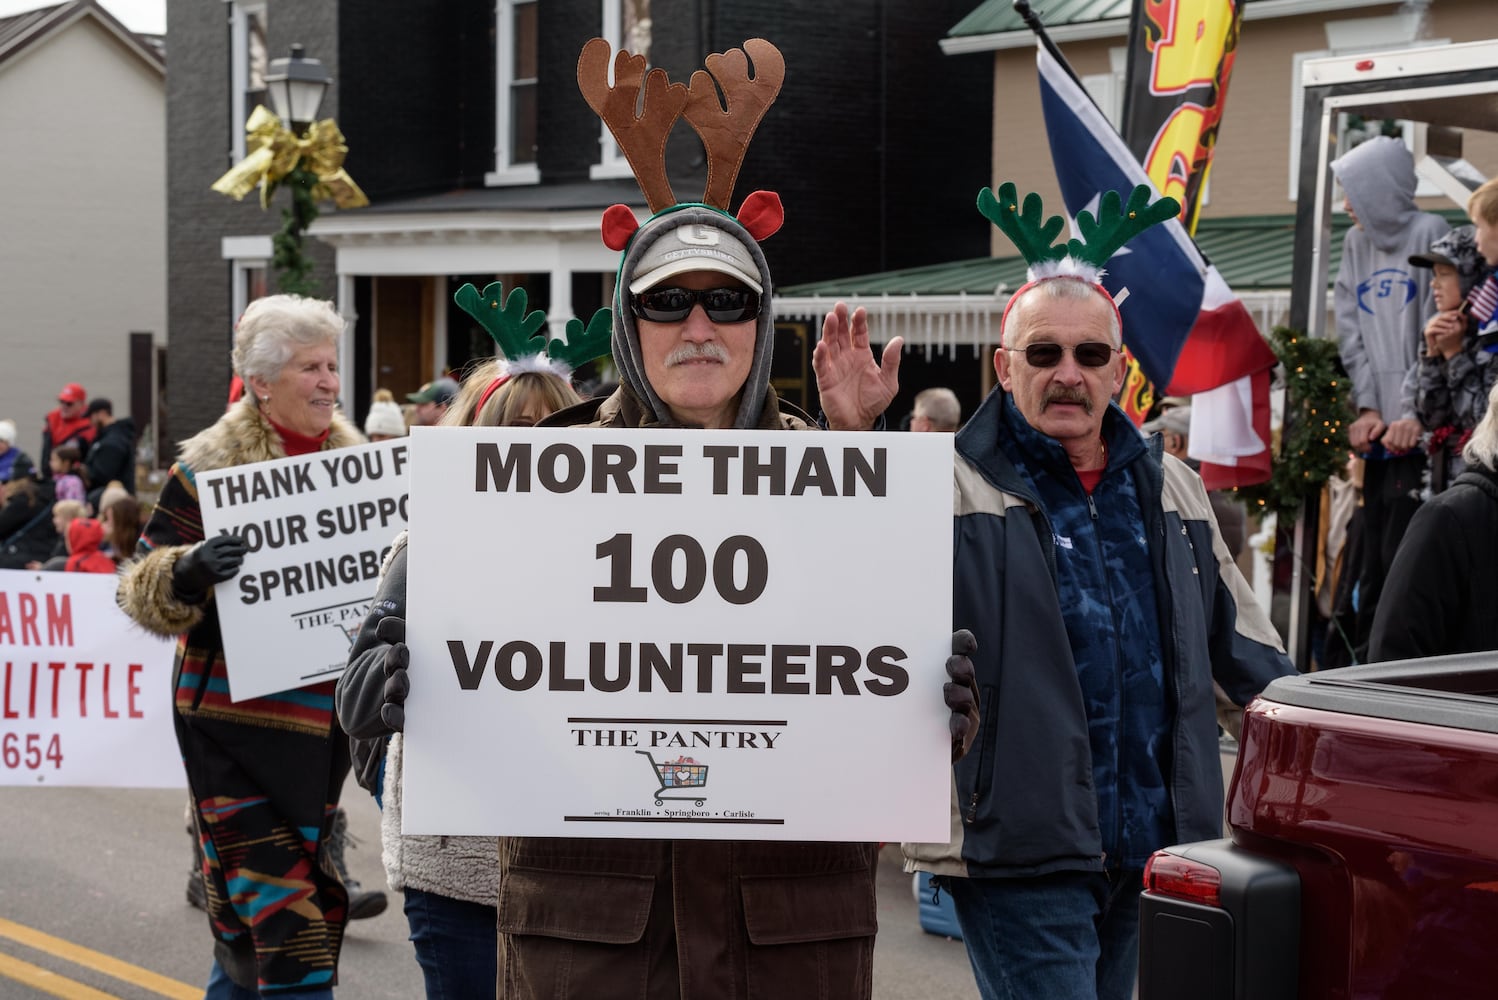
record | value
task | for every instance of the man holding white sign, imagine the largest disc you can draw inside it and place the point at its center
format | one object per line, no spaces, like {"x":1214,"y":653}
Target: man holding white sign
{"x":580,"y":917}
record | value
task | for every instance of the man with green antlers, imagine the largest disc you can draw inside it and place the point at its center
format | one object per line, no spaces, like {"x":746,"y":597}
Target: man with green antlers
{"x":1099,"y":604}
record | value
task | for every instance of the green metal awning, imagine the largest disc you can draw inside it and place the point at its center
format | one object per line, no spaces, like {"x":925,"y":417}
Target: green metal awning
{"x":961,"y":302}
{"x":943,"y":305}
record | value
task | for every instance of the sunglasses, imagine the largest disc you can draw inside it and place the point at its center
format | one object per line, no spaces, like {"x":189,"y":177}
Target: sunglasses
{"x":1089,"y":354}
{"x":671,"y":305}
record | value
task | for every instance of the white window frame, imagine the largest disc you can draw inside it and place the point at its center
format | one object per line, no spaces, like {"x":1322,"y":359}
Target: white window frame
{"x":244,"y":253}
{"x":506,"y":172}
{"x":611,"y":162}
{"x":239,"y":70}
{"x":1107,"y":89}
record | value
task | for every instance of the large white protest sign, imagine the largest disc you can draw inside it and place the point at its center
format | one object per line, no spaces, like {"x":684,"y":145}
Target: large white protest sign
{"x":677,"y":633}
{"x":85,"y":695}
{"x":316,"y":528}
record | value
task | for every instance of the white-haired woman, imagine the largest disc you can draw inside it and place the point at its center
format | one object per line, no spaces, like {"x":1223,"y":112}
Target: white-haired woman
{"x":264,"y":774}
{"x":1443,"y":584}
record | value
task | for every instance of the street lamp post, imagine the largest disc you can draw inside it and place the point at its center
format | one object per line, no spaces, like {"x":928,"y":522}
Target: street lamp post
{"x":288,"y":146}
{"x":296,"y":85}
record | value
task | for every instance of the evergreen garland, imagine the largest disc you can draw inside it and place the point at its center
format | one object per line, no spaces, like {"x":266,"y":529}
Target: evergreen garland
{"x":293,"y":269}
{"x":1313,"y":442}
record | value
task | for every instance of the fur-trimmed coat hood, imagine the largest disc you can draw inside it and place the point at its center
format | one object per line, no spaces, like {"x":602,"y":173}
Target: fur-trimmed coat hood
{"x":242,"y":435}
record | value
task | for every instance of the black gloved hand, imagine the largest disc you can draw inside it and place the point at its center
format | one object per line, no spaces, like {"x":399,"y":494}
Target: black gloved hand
{"x":392,"y":629}
{"x":961,"y":692}
{"x":209,"y":562}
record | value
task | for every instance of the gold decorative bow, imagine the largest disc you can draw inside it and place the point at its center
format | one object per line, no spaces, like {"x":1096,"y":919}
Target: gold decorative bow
{"x":275,"y":151}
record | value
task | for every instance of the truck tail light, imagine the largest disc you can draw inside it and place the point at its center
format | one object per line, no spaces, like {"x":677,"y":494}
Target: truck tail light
{"x":1181,"y":878}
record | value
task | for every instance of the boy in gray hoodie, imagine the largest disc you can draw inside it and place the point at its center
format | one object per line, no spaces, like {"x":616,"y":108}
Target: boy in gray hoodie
{"x":1382,"y":305}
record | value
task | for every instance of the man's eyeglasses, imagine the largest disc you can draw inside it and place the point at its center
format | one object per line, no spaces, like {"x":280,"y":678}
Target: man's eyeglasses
{"x":1089,"y":354}
{"x":671,"y":305}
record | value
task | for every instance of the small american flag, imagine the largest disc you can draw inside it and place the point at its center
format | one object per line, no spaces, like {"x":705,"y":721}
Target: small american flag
{"x":1484,"y":299}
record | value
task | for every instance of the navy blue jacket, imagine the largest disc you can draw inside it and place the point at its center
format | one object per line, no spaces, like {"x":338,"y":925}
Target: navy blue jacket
{"x":1024,"y":800}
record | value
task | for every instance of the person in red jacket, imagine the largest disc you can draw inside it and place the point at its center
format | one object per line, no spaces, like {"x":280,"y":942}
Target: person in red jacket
{"x":68,"y":424}
{"x":85,"y":535}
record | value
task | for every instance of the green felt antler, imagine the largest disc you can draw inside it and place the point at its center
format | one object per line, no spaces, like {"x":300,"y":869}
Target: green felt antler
{"x":1023,"y":226}
{"x":584,"y":344}
{"x":512,"y":328}
{"x":1115,"y":225}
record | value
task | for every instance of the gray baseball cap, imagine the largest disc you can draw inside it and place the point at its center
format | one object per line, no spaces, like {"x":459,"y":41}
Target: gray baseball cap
{"x":1176,"y":420}
{"x":1457,"y":249}
{"x":695,"y":247}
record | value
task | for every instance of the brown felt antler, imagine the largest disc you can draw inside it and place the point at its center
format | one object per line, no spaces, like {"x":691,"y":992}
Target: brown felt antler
{"x":726,"y":126}
{"x":641,"y":136}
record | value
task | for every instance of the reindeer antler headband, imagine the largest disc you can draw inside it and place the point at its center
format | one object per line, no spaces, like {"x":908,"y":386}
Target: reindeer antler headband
{"x":525,"y":349}
{"x":1081,"y":259}
{"x":725,"y":126}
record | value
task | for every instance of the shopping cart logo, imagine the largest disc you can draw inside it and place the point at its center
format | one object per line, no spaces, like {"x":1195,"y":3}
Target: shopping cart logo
{"x":678,"y":774}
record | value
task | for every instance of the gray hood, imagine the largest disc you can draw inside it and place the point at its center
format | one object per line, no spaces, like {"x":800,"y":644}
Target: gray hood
{"x":1378,"y":178}
{"x":626,"y":343}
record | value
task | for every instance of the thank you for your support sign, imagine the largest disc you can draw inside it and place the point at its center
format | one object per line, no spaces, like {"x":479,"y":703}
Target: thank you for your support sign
{"x":316,"y":528}
{"x":85,"y":694}
{"x":678,"y":633}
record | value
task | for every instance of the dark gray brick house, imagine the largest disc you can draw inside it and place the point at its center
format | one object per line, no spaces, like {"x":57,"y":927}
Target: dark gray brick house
{"x":481,"y":160}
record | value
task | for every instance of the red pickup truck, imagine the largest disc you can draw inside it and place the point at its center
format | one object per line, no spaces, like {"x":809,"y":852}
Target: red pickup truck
{"x":1363,"y":857}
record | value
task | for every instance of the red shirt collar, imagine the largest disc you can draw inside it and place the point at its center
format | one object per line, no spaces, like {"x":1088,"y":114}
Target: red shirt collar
{"x":299,"y":444}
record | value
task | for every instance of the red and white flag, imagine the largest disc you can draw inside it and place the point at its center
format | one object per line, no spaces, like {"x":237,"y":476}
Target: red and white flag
{"x":1182,"y":322}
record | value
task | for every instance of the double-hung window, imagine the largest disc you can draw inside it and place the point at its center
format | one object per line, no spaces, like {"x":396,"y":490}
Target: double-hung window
{"x":248,"y":61}
{"x":517,"y":68}
{"x":626,"y":25}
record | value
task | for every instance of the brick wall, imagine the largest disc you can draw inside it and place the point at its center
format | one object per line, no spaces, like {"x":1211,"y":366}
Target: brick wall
{"x":199,"y":295}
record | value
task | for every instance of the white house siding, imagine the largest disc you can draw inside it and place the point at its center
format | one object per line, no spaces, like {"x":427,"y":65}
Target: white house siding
{"x":82,"y":219}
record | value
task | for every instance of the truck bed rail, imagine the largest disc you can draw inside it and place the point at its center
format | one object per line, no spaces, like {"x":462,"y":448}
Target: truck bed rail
{"x":1457,"y":692}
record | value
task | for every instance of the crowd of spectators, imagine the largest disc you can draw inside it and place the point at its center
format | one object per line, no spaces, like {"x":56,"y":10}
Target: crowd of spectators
{"x":75,"y":511}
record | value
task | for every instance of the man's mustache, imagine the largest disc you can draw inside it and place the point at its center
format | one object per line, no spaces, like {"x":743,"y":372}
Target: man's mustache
{"x":1065,"y":394}
{"x":710,"y":350}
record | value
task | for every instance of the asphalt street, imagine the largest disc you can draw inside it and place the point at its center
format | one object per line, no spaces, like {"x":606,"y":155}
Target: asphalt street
{"x":92,"y":908}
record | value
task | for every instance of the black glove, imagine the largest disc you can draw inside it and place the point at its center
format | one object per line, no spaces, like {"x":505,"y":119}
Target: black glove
{"x":961,"y":692}
{"x":212,"y":561}
{"x":397,"y":658}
